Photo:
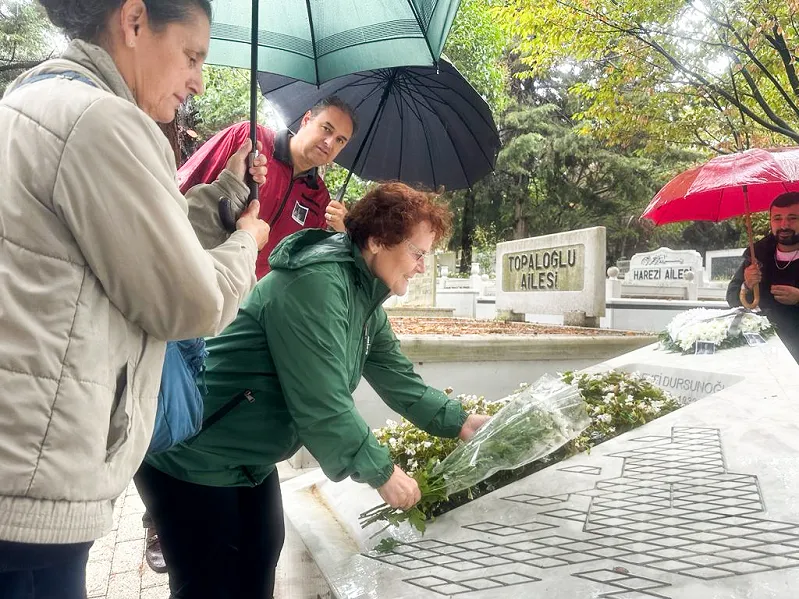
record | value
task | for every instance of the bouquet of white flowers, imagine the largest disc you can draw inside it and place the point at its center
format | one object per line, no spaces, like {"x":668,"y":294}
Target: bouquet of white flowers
{"x":722,"y":328}
{"x":533,"y":423}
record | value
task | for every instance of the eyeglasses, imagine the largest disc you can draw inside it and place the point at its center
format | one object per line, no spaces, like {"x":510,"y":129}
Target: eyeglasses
{"x":416,"y":252}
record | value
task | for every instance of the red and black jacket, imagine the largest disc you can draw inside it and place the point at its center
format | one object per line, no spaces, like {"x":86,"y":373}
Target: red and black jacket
{"x":288,"y":203}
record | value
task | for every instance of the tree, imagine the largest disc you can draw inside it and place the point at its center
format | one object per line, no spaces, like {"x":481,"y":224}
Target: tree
{"x":720,"y":74}
{"x":26,"y":38}
{"x":476,"y":46}
{"x":334,"y":176}
{"x":226,"y":100}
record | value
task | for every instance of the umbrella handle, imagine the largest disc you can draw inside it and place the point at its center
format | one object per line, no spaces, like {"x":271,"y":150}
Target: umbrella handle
{"x":756,"y":300}
{"x":756,"y":288}
{"x":226,"y":215}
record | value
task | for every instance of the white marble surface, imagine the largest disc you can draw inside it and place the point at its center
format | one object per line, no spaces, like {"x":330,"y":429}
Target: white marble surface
{"x":699,"y":503}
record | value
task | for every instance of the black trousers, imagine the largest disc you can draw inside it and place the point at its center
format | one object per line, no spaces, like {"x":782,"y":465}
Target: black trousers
{"x":218,"y":542}
{"x":29,"y":571}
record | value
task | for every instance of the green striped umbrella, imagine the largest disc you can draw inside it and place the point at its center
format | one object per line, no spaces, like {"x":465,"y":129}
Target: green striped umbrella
{"x":319,"y":40}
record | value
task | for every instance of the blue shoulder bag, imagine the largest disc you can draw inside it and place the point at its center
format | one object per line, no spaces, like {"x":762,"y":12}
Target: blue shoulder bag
{"x":179,"y":415}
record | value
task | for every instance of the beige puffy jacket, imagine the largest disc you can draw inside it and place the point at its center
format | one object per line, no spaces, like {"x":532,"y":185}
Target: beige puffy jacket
{"x":99,"y":265}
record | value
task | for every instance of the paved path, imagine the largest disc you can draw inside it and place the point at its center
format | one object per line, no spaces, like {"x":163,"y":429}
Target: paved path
{"x":117,"y":569}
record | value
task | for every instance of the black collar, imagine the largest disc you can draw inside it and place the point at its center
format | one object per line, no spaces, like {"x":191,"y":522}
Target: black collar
{"x":283,"y":153}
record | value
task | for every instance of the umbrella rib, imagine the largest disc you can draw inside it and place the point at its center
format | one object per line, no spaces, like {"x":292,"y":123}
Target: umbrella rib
{"x":373,"y":126}
{"x":433,"y":57}
{"x":313,"y":39}
{"x":402,"y":136}
{"x":426,"y":136}
{"x":433,"y":87}
{"x":464,"y":170}
{"x":279,"y":87}
{"x":477,"y":109}
{"x":468,"y":128}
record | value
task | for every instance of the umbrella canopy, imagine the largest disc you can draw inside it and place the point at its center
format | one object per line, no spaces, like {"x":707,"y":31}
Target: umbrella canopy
{"x":719,"y":189}
{"x":318,"y":40}
{"x":420,"y":125}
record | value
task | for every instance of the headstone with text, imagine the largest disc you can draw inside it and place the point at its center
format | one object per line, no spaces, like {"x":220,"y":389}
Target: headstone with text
{"x":664,"y":267}
{"x":553,"y":274}
{"x":721,"y":265}
{"x":685,"y":385}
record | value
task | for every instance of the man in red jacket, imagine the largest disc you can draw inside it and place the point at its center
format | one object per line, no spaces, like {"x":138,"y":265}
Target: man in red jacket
{"x":294,"y":196}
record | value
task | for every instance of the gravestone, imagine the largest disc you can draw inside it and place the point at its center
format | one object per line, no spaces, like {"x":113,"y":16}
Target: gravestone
{"x":422,"y":287}
{"x":721,"y":265}
{"x":562,"y":273}
{"x":686,"y":385}
{"x":448,"y":260}
{"x":664,"y":267}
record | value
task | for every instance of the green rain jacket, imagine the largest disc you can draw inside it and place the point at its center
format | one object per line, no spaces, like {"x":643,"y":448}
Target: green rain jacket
{"x":283,"y":373}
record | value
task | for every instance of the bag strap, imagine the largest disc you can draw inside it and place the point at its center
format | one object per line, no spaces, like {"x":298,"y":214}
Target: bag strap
{"x":69,"y":75}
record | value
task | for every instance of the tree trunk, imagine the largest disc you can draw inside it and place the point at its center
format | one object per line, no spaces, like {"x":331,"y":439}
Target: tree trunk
{"x":519,"y":221}
{"x":467,"y":231}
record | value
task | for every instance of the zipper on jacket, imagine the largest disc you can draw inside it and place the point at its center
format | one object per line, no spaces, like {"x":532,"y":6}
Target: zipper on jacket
{"x":223,"y":411}
{"x":282,"y":204}
{"x":248,"y":475}
{"x":372,"y":311}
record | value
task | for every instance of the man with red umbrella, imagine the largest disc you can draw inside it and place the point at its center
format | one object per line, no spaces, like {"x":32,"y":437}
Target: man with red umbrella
{"x":776,"y":270}
{"x":737,"y":185}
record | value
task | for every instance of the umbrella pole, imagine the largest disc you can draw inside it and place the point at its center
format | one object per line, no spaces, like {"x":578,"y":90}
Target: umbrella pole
{"x":253,"y":96}
{"x":226,"y":213}
{"x":375,"y":118}
{"x":752,"y":259}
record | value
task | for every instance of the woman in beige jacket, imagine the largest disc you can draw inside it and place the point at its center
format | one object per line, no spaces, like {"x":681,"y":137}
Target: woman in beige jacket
{"x":99,"y":266}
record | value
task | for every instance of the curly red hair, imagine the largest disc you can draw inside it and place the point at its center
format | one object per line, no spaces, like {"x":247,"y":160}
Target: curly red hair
{"x":389,"y":212}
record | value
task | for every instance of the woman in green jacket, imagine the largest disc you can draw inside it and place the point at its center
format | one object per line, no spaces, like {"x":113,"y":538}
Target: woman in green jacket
{"x":282,"y":376}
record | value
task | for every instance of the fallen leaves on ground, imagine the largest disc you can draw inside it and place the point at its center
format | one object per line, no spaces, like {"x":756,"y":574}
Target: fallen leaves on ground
{"x":408,"y":325}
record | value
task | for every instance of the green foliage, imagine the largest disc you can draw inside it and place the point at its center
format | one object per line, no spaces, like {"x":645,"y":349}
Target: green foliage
{"x":334,"y":179}
{"x":485,"y":248}
{"x":412,"y":448}
{"x":226,"y":100}
{"x":551,"y":178}
{"x":26,"y":38}
{"x":716,"y":75}
{"x":476,"y":45}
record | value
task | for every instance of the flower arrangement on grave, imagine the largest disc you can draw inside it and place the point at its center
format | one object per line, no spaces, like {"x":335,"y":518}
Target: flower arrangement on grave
{"x":614,"y":402}
{"x":722,"y":328}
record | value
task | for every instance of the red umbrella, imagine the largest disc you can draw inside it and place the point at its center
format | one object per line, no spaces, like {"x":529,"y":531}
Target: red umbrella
{"x":728,"y":186}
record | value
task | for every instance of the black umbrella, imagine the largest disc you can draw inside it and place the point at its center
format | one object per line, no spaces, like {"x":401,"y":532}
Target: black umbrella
{"x":420,"y":125}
